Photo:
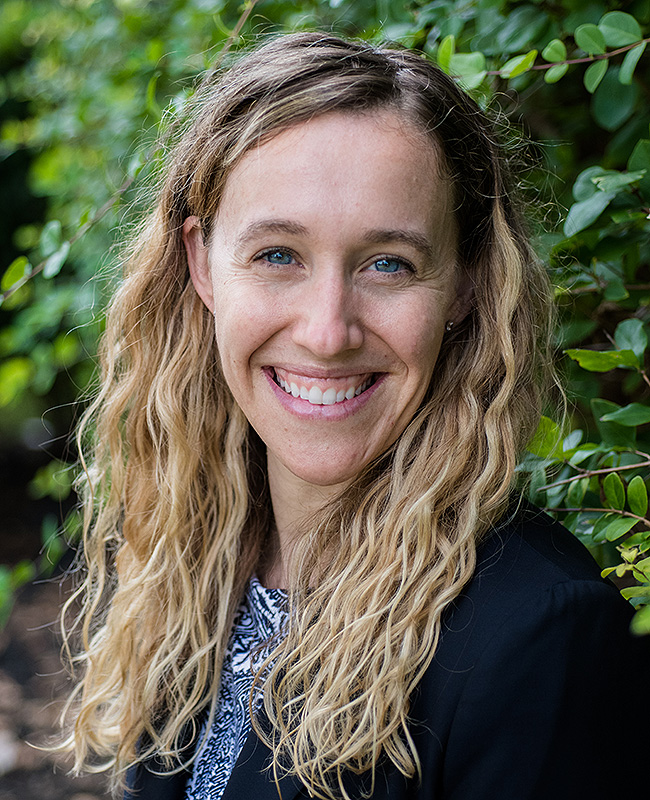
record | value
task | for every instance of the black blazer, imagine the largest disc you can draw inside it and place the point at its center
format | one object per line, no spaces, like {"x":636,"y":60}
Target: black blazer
{"x":535,"y":692}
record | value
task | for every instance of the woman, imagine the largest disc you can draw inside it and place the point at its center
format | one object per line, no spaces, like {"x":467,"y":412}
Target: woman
{"x":306,"y":571}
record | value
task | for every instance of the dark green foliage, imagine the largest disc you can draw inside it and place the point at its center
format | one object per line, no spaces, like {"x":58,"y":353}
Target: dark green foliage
{"x":87,"y":83}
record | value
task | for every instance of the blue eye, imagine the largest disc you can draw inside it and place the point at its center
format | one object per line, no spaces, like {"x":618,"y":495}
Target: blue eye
{"x":389,"y":265}
{"x":281,"y":257}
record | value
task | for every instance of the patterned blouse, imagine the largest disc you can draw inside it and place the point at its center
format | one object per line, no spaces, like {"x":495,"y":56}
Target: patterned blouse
{"x":260,"y":616}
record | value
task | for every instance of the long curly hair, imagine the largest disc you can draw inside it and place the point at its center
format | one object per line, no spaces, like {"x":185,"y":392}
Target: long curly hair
{"x":177,"y":510}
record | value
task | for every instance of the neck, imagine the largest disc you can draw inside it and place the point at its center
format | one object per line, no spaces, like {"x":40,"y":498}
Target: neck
{"x":294,"y":503}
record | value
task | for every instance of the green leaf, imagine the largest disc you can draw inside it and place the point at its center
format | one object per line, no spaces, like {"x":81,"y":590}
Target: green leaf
{"x":612,"y":180}
{"x":630,"y":415}
{"x":15,"y":272}
{"x":615,"y":290}
{"x":518,"y":65}
{"x":56,"y":261}
{"x":611,"y":433}
{"x":576,"y":492}
{"x":594,"y":74}
{"x":6,"y":594}
{"x":469,"y":68}
{"x":446,"y":50}
{"x":584,"y":212}
{"x":547,"y":441}
{"x":602,"y":523}
{"x":640,"y":625}
{"x":630,"y":335}
{"x":554,"y":74}
{"x":636,"y":591}
{"x":584,"y":186}
{"x":15,"y":375}
{"x":50,"y":237}
{"x":613,"y":103}
{"x":614,"y":491}
{"x":629,"y":63}
{"x":619,"y":528}
{"x":603,"y":360}
{"x":637,"y":496}
{"x":590,"y":39}
{"x":584,"y":452}
{"x":640,"y":160}
{"x":22,"y":573}
{"x":619,"y":29}
{"x":555,"y":50}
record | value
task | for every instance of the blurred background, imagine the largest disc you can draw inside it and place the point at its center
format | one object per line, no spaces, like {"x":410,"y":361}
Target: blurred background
{"x":85,"y":88}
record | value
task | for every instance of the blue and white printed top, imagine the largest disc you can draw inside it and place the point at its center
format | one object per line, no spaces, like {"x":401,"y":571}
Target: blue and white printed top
{"x":260,"y":617}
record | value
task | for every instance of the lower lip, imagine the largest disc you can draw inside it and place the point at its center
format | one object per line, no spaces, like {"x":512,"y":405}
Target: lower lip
{"x":303,"y":408}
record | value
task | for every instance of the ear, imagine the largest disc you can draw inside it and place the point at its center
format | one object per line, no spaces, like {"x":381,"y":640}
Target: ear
{"x":197,"y":260}
{"x":462,"y":305}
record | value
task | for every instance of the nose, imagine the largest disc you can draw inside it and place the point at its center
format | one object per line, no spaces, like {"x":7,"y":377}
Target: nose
{"x":327,"y":316}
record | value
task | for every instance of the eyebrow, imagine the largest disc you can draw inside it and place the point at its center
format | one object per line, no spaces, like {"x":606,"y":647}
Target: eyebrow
{"x":375,"y":236}
{"x":415,"y":240}
{"x":263,"y":226}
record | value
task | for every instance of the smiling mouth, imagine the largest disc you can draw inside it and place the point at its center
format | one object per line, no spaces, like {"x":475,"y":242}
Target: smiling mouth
{"x":323,"y":392}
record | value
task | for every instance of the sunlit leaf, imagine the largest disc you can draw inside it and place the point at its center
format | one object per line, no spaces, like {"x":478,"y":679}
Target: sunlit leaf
{"x":446,"y":50}
{"x":547,"y":442}
{"x":518,"y":65}
{"x":15,"y":272}
{"x":603,"y":360}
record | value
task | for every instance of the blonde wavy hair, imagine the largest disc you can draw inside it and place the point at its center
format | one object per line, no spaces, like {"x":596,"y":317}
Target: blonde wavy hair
{"x":177,"y":507}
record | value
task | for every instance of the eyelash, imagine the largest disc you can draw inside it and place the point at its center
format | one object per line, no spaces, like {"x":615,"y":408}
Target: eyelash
{"x":264,"y":255}
{"x":405,"y":266}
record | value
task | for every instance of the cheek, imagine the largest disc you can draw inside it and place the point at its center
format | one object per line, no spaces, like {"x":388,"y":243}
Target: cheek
{"x":244,"y":322}
{"x":416,"y":338}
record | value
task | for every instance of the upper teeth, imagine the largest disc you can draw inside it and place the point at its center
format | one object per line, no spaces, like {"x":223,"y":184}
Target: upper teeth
{"x":318,"y":397}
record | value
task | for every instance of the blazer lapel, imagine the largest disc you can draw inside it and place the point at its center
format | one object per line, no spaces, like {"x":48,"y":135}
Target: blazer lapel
{"x":252,"y":776}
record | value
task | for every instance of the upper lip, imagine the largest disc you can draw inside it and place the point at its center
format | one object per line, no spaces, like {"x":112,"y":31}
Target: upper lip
{"x":319,"y":373}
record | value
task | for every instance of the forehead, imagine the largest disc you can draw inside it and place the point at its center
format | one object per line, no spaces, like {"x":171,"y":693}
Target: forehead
{"x":342,"y":164}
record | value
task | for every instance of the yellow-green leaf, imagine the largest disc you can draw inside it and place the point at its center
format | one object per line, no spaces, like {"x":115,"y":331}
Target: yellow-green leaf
{"x":446,"y":50}
{"x":603,"y":360}
{"x":518,"y":65}
{"x":15,"y":272}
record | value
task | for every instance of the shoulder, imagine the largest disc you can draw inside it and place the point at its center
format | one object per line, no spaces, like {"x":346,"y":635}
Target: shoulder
{"x":530,"y":568}
{"x":531,"y":661}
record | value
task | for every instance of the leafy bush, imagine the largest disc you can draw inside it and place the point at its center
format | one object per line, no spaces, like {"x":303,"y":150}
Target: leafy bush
{"x":88,"y":82}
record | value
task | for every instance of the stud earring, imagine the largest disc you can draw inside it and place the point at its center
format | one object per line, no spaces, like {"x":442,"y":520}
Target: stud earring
{"x":449,"y":326}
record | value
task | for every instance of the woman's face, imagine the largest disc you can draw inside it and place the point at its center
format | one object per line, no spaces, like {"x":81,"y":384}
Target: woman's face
{"x":331,"y":273}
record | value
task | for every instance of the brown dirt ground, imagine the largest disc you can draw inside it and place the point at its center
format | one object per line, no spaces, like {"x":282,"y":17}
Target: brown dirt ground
{"x":33,"y":687}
